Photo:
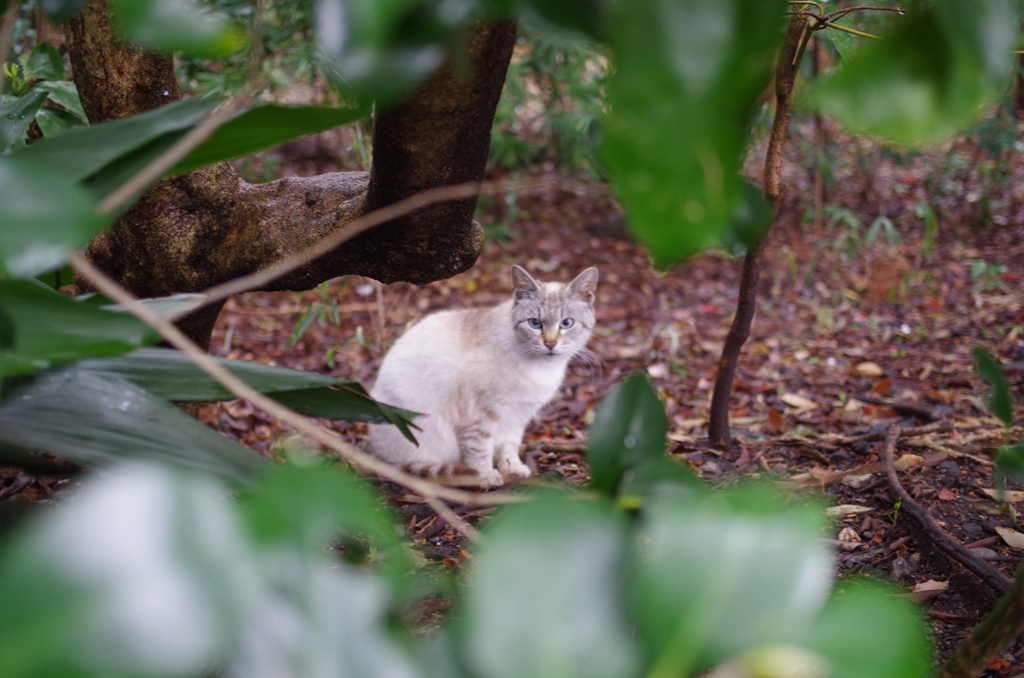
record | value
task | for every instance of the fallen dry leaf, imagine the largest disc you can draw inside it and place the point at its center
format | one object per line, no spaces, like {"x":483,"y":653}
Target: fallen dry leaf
{"x":930,"y":585}
{"x":945,"y":494}
{"x":885,"y":275}
{"x":907,"y":461}
{"x":658,"y":370}
{"x":1012,"y":496}
{"x":798,"y":401}
{"x":1012,"y":537}
{"x":868,"y":370}
{"x":882,"y":387}
{"x":850,"y":509}
{"x":849,"y":534}
{"x":858,"y":481}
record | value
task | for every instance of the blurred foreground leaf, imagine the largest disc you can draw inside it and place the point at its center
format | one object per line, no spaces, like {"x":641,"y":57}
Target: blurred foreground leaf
{"x":171,"y":375}
{"x":685,"y":82}
{"x":96,"y":420}
{"x":51,"y":329}
{"x":177,"y":25}
{"x":926,"y":80}
{"x":165,"y":581}
{"x":547,"y":595}
{"x":870,"y":631}
{"x":629,"y":431}
{"x":16,"y":116}
{"x":45,"y":217}
{"x":753,"y":575}
{"x":257,"y":129}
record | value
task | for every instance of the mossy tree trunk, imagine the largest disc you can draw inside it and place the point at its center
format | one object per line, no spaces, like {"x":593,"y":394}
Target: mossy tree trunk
{"x":199,"y":229}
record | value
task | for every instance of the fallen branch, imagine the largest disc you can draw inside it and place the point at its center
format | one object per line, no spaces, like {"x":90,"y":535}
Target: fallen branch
{"x":942,"y":539}
{"x":552,"y":445}
{"x":902,"y":409}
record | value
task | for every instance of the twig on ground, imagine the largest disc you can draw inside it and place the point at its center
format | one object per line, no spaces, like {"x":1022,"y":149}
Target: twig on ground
{"x":942,"y":539}
{"x":552,"y":445}
{"x":902,"y":409}
{"x":905,"y":432}
{"x":453,"y":519}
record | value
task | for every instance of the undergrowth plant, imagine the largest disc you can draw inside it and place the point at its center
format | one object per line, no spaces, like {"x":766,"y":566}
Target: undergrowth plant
{"x":550,"y":113}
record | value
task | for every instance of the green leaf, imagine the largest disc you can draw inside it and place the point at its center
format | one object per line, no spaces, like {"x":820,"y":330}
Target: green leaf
{"x":177,"y":25}
{"x":306,"y":506}
{"x":64,"y":93}
{"x":628,"y":432}
{"x":60,"y":11}
{"x":914,"y":86}
{"x":13,"y":456}
{"x":751,"y":219}
{"x":171,"y":375}
{"x":682,"y":92}
{"x":305,"y":322}
{"x":1009,"y":463}
{"x":57,"y":277}
{"x":985,"y":31}
{"x":7,"y":336}
{"x":348,"y":401}
{"x":166,"y":582}
{"x":586,"y":17}
{"x":546,"y":598}
{"x":753,"y":576}
{"x":95,"y":420}
{"x":39,"y":231}
{"x":171,"y":307}
{"x":162,"y":582}
{"x":1000,"y":398}
{"x":264,"y":127}
{"x":844,"y":42}
{"x":382,"y":50}
{"x":16,"y":116}
{"x":53,"y":121}
{"x":871,"y":632}
{"x":46,"y":63}
{"x":51,"y":329}
{"x":83,"y":152}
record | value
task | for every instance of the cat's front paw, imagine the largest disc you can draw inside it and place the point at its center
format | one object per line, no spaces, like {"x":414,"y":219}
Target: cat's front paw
{"x":513,"y":466}
{"x":491,"y":479}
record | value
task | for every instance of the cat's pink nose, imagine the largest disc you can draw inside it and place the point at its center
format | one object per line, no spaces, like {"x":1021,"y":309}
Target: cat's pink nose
{"x":550,"y":343}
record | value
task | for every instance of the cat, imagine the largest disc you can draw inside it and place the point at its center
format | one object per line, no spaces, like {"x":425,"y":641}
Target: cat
{"x":480,"y":375}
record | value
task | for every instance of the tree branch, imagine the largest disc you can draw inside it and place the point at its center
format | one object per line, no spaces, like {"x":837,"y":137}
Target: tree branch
{"x":739,"y":331}
{"x":198,"y":230}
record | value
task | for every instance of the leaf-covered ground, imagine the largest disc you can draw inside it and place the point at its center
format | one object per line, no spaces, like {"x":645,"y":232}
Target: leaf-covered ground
{"x":846,"y":311}
{"x":849,"y":309}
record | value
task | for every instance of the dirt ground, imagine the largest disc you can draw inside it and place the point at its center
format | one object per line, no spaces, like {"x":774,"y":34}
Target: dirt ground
{"x":857,"y":329}
{"x":843,"y":314}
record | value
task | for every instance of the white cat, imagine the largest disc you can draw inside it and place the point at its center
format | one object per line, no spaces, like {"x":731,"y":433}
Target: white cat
{"x":479,"y":376}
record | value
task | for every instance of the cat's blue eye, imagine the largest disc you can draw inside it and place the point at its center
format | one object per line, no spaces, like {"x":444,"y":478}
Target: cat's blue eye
{"x":566,"y":323}
{"x":535,"y":323}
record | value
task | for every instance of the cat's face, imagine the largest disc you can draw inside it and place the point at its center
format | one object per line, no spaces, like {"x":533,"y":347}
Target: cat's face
{"x":552,"y":319}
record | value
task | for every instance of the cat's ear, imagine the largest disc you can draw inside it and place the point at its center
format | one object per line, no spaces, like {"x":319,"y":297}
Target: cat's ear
{"x":585,"y":284}
{"x":523,"y":286}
